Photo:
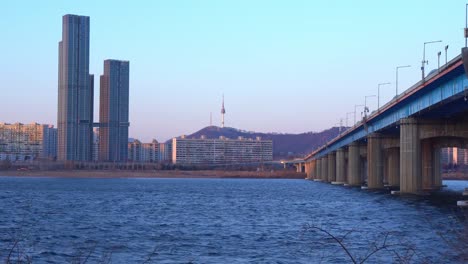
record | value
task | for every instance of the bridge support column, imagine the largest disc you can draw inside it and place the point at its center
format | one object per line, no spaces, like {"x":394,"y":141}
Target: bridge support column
{"x":410,"y":157}
{"x":331,"y":167}
{"x":393,"y":156}
{"x":340,"y":166}
{"x":307,"y":169}
{"x":427,"y":162}
{"x":313,"y":164}
{"x":324,"y":175}
{"x":431,"y":179}
{"x":374,"y":161}
{"x":318,"y":170}
{"x":436,"y":166}
{"x":354,"y":165}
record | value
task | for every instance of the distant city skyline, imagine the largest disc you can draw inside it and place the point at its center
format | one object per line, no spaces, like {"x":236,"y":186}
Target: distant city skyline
{"x":284,"y":66}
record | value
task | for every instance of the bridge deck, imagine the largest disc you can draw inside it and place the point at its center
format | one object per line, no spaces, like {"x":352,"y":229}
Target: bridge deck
{"x":448,"y":82}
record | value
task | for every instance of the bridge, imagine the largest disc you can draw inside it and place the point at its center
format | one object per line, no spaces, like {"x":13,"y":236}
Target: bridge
{"x":398,"y":145}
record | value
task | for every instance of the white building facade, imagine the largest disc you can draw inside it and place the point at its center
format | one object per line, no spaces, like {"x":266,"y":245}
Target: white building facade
{"x":221,"y":151}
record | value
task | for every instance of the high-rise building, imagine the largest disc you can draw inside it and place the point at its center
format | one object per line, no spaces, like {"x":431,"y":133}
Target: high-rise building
{"x":75,"y":91}
{"x":113,"y":111}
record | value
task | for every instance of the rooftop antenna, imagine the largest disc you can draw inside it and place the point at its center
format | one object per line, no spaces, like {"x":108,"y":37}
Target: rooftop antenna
{"x":223,"y":111}
{"x":211,"y":118}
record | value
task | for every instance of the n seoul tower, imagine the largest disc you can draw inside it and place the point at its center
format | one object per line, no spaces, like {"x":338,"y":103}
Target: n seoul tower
{"x":223,"y":111}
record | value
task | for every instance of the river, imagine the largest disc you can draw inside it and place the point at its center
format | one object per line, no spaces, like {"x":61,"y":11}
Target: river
{"x":63,"y":220}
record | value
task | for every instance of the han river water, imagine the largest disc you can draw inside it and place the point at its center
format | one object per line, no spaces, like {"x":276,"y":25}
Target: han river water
{"x":63,"y":220}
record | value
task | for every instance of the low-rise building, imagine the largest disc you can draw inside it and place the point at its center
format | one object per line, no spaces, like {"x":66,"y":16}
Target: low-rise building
{"x":203,"y":151}
{"x":27,"y":141}
{"x":143,"y":152}
{"x":134,"y":149}
{"x":150,"y":151}
{"x":165,"y":152}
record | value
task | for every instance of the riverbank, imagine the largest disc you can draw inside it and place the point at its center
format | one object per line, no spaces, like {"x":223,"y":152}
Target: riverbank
{"x":154,"y":174}
{"x":455,"y":176}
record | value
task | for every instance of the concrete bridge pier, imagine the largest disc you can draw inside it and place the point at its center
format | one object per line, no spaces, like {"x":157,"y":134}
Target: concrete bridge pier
{"x":312,"y":166}
{"x":307,"y":169}
{"x":410,"y":157}
{"x":354,"y":165}
{"x":437,"y":176}
{"x":331,"y":167}
{"x":375,"y":168}
{"x":431,"y":176}
{"x":318,"y":170}
{"x":300,"y":167}
{"x":393,"y":167}
{"x":340,"y":166}
{"x":324,"y":173}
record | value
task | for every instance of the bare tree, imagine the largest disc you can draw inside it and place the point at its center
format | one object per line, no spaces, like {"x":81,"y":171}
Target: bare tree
{"x":398,"y":250}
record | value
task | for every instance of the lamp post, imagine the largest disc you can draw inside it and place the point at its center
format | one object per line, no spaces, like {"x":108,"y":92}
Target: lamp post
{"x":366,"y":109}
{"x":466,"y":23}
{"x":356,"y":106}
{"x":378,"y":94}
{"x":424,"y":61}
{"x":446,"y":48}
{"x":396,"y":81}
{"x":438,"y":60}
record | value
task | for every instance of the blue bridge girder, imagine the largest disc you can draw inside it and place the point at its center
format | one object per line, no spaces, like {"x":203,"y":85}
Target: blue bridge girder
{"x":441,"y":94}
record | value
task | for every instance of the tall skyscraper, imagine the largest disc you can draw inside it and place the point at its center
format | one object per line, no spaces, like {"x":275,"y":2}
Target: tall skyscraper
{"x":113,"y":111}
{"x":75,"y":91}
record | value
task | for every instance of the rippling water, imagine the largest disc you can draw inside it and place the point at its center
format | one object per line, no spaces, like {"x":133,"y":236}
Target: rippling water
{"x":217,"y":221}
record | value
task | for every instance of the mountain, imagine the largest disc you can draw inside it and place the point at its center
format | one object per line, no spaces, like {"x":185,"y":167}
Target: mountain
{"x":284,"y":145}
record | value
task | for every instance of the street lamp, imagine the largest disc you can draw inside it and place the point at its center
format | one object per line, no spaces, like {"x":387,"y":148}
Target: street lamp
{"x":438,"y":61}
{"x":424,"y":61}
{"x":396,"y":82}
{"x":466,"y":23}
{"x":366,"y":109}
{"x":446,"y":48}
{"x":378,"y":94}
{"x":356,"y":106}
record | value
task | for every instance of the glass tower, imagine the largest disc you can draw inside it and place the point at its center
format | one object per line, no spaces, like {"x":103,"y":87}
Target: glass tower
{"x":75,"y":91}
{"x":113,"y":111}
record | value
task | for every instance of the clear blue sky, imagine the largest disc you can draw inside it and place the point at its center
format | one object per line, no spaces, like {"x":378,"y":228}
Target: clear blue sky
{"x":284,"y":66}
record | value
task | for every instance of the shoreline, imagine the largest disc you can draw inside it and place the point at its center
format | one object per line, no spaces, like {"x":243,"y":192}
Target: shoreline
{"x":174,"y":174}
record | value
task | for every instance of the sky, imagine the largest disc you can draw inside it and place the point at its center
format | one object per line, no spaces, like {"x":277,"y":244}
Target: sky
{"x":286,"y":66}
